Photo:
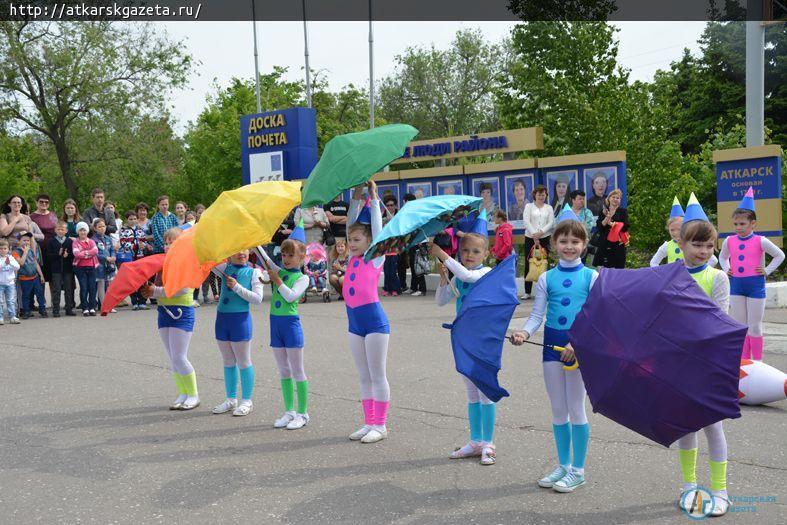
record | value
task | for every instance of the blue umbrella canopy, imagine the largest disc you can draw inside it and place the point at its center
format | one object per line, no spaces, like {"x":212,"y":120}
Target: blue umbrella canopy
{"x":420,"y":219}
{"x":657,"y":355}
{"x":479,"y":330}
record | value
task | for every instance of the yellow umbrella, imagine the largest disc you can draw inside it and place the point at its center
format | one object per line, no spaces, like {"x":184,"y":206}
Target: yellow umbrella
{"x":245,"y":217}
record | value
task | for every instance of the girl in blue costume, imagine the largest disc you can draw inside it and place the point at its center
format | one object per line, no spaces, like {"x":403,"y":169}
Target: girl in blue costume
{"x":560,"y":293}
{"x":241,"y":286}
{"x":175,"y":326}
{"x":481,"y":411}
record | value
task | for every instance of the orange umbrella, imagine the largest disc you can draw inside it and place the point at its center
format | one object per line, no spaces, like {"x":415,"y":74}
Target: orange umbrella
{"x":129,"y":278}
{"x":181,"y":267}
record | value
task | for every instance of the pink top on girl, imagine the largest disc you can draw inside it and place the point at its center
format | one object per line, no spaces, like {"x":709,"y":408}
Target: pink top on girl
{"x":746,"y":254}
{"x":85,"y":253}
{"x":360,"y":283}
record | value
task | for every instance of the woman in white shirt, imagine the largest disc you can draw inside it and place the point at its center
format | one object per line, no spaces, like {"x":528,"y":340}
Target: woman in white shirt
{"x":314,"y":222}
{"x":539,"y":221}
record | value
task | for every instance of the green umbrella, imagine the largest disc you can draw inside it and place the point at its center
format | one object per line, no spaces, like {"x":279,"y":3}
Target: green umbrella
{"x":351,"y":159}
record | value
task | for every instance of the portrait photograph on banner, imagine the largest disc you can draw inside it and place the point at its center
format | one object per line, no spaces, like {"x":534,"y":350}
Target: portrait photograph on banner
{"x":599,"y":181}
{"x":384,"y":190}
{"x":559,"y":185}
{"x":420,"y":189}
{"x":488,"y":188}
{"x":518,"y":190}
{"x":450,"y":187}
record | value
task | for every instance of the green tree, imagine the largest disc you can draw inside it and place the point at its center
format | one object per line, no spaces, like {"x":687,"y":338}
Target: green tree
{"x":213,"y":155}
{"x":57,"y":76}
{"x":708,"y":92}
{"x":445,"y":92}
{"x":21,"y":163}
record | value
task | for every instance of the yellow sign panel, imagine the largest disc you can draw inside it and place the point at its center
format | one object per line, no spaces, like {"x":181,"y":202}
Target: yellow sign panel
{"x":508,"y":141}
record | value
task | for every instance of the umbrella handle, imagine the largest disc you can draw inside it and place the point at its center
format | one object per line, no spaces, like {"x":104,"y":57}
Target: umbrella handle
{"x":571,"y":367}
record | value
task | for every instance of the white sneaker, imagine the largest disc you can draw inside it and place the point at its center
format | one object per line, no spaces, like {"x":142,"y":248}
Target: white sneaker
{"x":196,"y":304}
{"x":418,"y":293}
{"x":178,"y":402}
{"x":360,"y":433}
{"x":375,"y":434}
{"x":190,"y":403}
{"x":2,"y":322}
{"x":721,"y":503}
{"x":553,"y":477}
{"x":15,"y":320}
{"x":85,"y":313}
{"x":284,"y":420}
{"x":524,"y":297}
{"x":226,"y":406}
{"x":113,"y":311}
{"x":244,"y":409}
{"x":299,"y":421}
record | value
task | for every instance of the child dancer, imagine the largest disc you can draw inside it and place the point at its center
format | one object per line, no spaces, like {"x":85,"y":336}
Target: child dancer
{"x":241,"y":287}
{"x":289,"y":285}
{"x":671,"y":248}
{"x":481,"y":411}
{"x":368,"y":325}
{"x":743,"y":258}
{"x":175,"y":326}
{"x":697,"y":240}
{"x":561,"y":292}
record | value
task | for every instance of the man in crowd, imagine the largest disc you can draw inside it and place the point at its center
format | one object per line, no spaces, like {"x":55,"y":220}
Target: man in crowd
{"x":98,"y":210}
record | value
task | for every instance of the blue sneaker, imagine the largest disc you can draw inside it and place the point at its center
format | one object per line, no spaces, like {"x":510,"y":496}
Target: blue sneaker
{"x":569,"y":482}
{"x":549,"y":480}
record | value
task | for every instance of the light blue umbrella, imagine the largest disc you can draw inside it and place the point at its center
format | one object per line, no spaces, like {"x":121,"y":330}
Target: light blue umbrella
{"x":419,"y":220}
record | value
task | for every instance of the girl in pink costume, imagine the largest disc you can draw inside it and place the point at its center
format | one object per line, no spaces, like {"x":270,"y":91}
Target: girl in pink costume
{"x":743,"y":258}
{"x":368,"y":325}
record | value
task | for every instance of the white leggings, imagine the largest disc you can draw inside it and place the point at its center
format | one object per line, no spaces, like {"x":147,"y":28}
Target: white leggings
{"x":176,"y":343}
{"x":235,"y":353}
{"x":748,"y":311}
{"x":290,"y":363}
{"x":717,"y":443}
{"x":566,"y":392}
{"x":370,"y":354}
{"x":474,"y":395}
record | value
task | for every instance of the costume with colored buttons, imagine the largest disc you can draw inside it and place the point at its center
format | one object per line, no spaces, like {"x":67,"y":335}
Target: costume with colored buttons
{"x":481,"y":411}
{"x":716,"y":285}
{"x":368,"y":325}
{"x":560,"y":294}
{"x":286,"y":332}
{"x":233,"y":327}
{"x":742,"y":256}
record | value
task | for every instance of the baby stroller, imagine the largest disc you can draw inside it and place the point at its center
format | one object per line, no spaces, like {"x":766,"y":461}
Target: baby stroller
{"x":316,"y":266}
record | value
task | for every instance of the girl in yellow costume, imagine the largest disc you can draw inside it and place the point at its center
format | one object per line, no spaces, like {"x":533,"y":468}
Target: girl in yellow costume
{"x":175,"y":326}
{"x":697,"y":240}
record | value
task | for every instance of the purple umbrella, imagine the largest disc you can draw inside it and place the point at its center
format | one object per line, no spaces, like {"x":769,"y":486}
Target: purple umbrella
{"x":657,"y":355}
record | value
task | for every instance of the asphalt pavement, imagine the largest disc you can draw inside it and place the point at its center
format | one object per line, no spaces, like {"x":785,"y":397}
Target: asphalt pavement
{"x":86,"y":437}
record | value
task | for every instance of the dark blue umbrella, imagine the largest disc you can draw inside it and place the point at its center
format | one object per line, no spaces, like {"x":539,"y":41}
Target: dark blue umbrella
{"x":479,"y":330}
{"x":657,"y":355}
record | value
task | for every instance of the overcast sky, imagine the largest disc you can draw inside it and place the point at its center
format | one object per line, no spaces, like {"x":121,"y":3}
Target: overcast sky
{"x":224,"y":50}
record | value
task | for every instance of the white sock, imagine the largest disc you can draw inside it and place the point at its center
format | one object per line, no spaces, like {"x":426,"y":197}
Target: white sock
{"x":181,"y":398}
{"x":579,"y":471}
{"x":689,"y":486}
{"x":379,"y":428}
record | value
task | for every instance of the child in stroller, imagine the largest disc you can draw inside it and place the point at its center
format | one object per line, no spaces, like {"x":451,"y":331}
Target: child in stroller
{"x":317,"y":270}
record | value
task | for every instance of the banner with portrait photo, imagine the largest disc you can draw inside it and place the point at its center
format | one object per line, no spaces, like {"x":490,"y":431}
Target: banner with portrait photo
{"x":599,"y":181}
{"x":383,"y":190}
{"x":560,"y":183}
{"x":488,"y":188}
{"x":450,"y":187}
{"x":519,"y":189}
{"x":420,"y":189}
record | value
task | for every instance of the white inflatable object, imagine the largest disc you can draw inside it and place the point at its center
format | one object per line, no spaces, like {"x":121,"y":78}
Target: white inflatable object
{"x":761,"y":383}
